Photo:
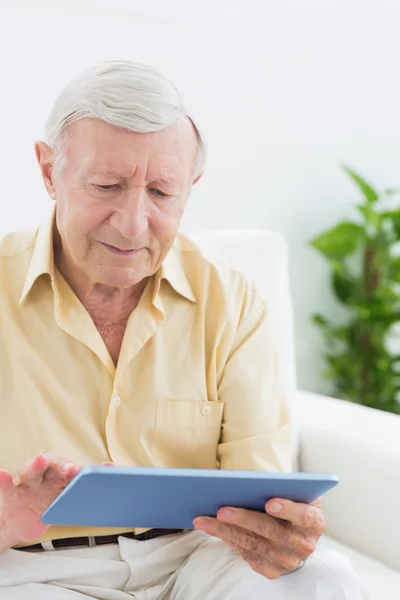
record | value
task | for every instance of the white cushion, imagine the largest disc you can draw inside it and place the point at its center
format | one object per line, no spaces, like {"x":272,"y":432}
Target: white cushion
{"x":362,"y":446}
{"x":381,"y":582}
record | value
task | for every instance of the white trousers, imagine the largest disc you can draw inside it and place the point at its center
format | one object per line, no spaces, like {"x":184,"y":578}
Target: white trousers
{"x":186,"y":566}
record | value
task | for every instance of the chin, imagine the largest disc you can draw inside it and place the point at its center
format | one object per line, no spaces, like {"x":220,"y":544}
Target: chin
{"x":119,"y":278}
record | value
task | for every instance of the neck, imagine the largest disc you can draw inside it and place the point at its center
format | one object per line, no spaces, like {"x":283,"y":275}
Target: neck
{"x":109,"y":305}
{"x":105,"y":304}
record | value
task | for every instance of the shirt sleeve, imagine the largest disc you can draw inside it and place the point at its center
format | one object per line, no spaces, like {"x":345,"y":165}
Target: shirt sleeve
{"x":256,"y":428}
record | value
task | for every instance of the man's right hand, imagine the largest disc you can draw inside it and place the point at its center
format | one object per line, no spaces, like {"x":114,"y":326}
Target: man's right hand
{"x":24,"y":499}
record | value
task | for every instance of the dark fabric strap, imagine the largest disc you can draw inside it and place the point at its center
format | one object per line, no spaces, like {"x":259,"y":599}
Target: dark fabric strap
{"x":100,"y":540}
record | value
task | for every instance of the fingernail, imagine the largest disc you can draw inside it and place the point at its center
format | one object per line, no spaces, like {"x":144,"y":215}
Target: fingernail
{"x":204,"y":524}
{"x":275,"y":508}
{"x":226,"y":514}
{"x":68,"y":466}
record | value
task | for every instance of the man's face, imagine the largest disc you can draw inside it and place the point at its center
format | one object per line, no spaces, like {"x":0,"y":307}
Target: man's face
{"x":121,"y":197}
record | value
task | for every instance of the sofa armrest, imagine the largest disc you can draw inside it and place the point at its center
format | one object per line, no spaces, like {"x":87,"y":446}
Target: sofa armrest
{"x":362,"y":446}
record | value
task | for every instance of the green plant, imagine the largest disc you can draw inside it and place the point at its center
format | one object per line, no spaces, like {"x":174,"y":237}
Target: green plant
{"x":365,"y":277}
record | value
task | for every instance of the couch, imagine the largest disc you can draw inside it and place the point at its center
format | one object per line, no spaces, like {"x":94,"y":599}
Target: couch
{"x":361,"y":445}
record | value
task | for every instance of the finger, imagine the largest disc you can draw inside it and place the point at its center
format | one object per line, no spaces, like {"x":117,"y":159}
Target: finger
{"x":279,"y":560}
{"x":254,"y":521}
{"x":31,"y":474}
{"x":6,"y":482}
{"x":303,"y":516}
{"x":60,"y":470}
{"x":264,"y":565}
{"x":318,"y":503}
{"x":286,"y":560}
{"x":70,"y":470}
{"x":246,"y":539}
{"x":278,"y":533}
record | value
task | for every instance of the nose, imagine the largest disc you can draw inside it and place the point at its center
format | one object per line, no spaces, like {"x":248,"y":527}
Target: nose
{"x":130,"y":217}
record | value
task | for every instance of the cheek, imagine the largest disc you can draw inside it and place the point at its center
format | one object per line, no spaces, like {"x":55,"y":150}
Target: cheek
{"x":78,"y":224}
{"x":87,"y":213}
{"x":165,"y":224}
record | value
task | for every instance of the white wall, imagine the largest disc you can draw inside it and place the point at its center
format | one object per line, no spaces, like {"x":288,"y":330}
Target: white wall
{"x":285,"y":90}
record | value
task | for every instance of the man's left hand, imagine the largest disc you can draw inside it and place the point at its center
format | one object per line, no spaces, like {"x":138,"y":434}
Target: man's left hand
{"x":274,"y":542}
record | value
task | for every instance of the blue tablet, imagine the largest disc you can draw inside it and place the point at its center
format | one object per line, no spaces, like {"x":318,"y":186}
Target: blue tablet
{"x":171,"y":498}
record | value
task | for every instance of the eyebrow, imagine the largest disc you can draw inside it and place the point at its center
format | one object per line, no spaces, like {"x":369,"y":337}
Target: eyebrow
{"x":107,"y":173}
{"x":162,"y":180}
{"x":166,"y":180}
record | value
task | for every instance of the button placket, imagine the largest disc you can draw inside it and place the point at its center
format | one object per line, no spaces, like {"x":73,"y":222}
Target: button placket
{"x":116,"y":401}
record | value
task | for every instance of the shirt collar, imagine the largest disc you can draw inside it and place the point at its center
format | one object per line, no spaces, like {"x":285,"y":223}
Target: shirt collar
{"x":172,"y":270}
{"x":42,"y":263}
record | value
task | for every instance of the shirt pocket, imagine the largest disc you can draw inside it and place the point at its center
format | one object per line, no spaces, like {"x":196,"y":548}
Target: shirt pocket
{"x":187,"y":433}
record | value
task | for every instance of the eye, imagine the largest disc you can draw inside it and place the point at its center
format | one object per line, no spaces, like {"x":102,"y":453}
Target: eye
{"x":159,"y":193}
{"x":106,"y":188}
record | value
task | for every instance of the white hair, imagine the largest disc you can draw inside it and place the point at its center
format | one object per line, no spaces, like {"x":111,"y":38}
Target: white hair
{"x":125,"y":94}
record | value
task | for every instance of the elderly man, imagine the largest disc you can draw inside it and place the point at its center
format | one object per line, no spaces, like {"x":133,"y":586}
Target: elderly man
{"x":122,"y":344}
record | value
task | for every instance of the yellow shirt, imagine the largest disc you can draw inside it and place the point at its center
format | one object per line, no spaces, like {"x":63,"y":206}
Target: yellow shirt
{"x":196,"y":384}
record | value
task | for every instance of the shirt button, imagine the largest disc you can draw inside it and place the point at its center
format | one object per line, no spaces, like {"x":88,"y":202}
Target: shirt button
{"x":206,"y":410}
{"x":116,"y":401}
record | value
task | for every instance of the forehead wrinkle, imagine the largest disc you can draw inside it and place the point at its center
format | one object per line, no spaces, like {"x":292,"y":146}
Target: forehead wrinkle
{"x":145,"y":172}
{"x":166,"y":180}
{"x":107,"y":173}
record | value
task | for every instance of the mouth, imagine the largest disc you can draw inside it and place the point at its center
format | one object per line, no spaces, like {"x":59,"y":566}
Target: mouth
{"x":119,"y":251}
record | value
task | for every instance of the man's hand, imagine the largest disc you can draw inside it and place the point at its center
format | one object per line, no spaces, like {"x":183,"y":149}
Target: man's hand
{"x":24,"y":499}
{"x":272,"y":545}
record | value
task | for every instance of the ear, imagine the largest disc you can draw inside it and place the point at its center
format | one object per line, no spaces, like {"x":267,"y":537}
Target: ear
{"x":45,"y":158}
{"x":197,"y":178}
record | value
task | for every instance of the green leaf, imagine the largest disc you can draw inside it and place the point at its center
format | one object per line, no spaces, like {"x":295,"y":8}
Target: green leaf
{"x":360,"y":362}
{"x":394,"y":217}
{"x":394,"y":270}
{"x":343,"y":286}
{"x":369,"y":193}
{"x":320,"y":320}
{"x":339,"y":242}
{"x":371,"y":216}
{"x":341,"y":334}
